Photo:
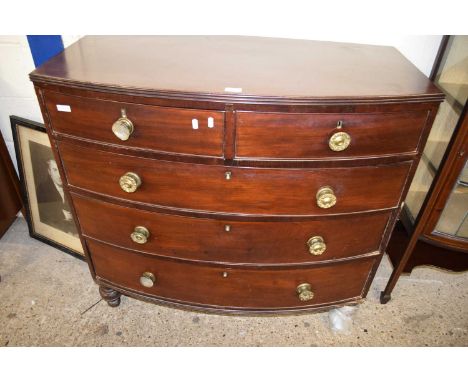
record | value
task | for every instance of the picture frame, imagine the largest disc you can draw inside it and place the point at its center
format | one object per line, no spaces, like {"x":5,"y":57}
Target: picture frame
{"x":47,"y":209}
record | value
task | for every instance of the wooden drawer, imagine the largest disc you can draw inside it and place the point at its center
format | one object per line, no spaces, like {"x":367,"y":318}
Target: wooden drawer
{"x":295,"y":135}
{"x":245,"y":242}
{"x":156,"y":128}
{"x":240,"y":288}
{"x":248,"y":191}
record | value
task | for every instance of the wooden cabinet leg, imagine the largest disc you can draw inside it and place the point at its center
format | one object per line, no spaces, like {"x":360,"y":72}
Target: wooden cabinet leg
{"x":111,"y":296}
{"x":384,"y":298}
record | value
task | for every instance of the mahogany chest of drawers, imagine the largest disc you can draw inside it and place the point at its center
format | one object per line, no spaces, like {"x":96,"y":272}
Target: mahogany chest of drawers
{"x":234,"y":174}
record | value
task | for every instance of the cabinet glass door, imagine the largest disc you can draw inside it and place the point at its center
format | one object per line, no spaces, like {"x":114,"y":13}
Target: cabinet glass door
{"x":454,"y":218}
{"x":452,"y":78}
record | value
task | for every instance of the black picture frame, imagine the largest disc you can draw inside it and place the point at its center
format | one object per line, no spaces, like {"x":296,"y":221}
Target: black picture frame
{"x":15,"y":123}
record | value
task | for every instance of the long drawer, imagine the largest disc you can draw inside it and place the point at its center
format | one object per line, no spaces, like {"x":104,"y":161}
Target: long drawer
{"x":156,"y":128}
{"x":235,"y":189}
{"x":230,"y":241}
{"x":300,"y":135}
{"x":230,"y":287}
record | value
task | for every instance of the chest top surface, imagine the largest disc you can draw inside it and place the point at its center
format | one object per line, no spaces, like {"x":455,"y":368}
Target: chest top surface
{"x":249,"y":67}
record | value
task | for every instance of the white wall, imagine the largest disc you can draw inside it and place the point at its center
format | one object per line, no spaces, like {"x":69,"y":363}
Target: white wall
{"x":420,"y":50}
{"x":17,"y":95}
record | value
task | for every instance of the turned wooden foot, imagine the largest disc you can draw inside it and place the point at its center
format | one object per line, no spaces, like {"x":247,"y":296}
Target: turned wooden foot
{"x":111,"y":296}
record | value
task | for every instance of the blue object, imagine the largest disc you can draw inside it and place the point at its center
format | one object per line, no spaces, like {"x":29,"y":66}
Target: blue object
{"x":44,"y":47}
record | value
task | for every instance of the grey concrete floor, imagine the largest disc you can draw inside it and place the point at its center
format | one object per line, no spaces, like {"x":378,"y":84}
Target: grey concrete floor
{"x":47,"y":298}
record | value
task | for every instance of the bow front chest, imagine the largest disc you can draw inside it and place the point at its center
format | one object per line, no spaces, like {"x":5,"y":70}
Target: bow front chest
{"x":234,"y":174}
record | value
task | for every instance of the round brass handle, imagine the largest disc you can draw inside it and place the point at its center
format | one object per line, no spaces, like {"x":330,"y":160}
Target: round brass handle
{"x":316,"y":245}
{"x":140,"y":235}
{"x":130,"y":182}
{"x":147,"y":279}
{"x":304,"y":291}
{"x":123,"y":127}
{"x":339,"y":141}
{"x":326,"y":197}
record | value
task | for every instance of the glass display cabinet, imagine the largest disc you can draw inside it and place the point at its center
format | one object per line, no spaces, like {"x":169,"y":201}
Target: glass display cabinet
{"x":433,"y":226}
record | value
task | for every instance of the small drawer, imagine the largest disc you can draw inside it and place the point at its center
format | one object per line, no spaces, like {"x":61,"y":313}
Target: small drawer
{"x":268,"y":288}
{"x":163,"y":129}
{"x":319,"y":136}
{"x":229,"y":241}
{"x":213,"y":188}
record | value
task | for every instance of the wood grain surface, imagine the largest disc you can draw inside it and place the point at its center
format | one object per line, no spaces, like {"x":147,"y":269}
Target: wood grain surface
{"x":301,"y":135}
{"x":251,"y":242}
{"x":10,"y":194}
{"x":263,"y":68}
{"x":249,"y":191}
{"x":155,"y":128}
{"x":241,"y":288}
{"x":275,"y":104}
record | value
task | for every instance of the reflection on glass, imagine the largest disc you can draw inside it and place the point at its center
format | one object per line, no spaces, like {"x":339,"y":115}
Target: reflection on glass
{"x":419,"y":188}
{"x":453,"y":73}
{"x":454,"y":218}
{"x":452,"y":78}
{"x":441,"y":132}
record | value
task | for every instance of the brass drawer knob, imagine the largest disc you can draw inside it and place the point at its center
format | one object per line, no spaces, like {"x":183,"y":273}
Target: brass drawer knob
{"x":339,"y":141}
{"x":304,"y":291}
{"x":123,"y":127}
{"x":326,"y":197}
{"x":140,"y":235}
{"x":147,"y":279}
{"x":130,"y":182}
{"x":316,"y":245}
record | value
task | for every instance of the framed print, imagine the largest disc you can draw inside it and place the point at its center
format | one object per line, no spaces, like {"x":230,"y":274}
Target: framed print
{"x":48,"y":211}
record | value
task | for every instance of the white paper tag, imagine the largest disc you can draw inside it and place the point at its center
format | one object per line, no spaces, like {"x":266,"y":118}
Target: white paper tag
{"x":65,"y":108}
{"x":195,"y":124}
{"x":210,"y":122}
{"x":233,"y":90}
